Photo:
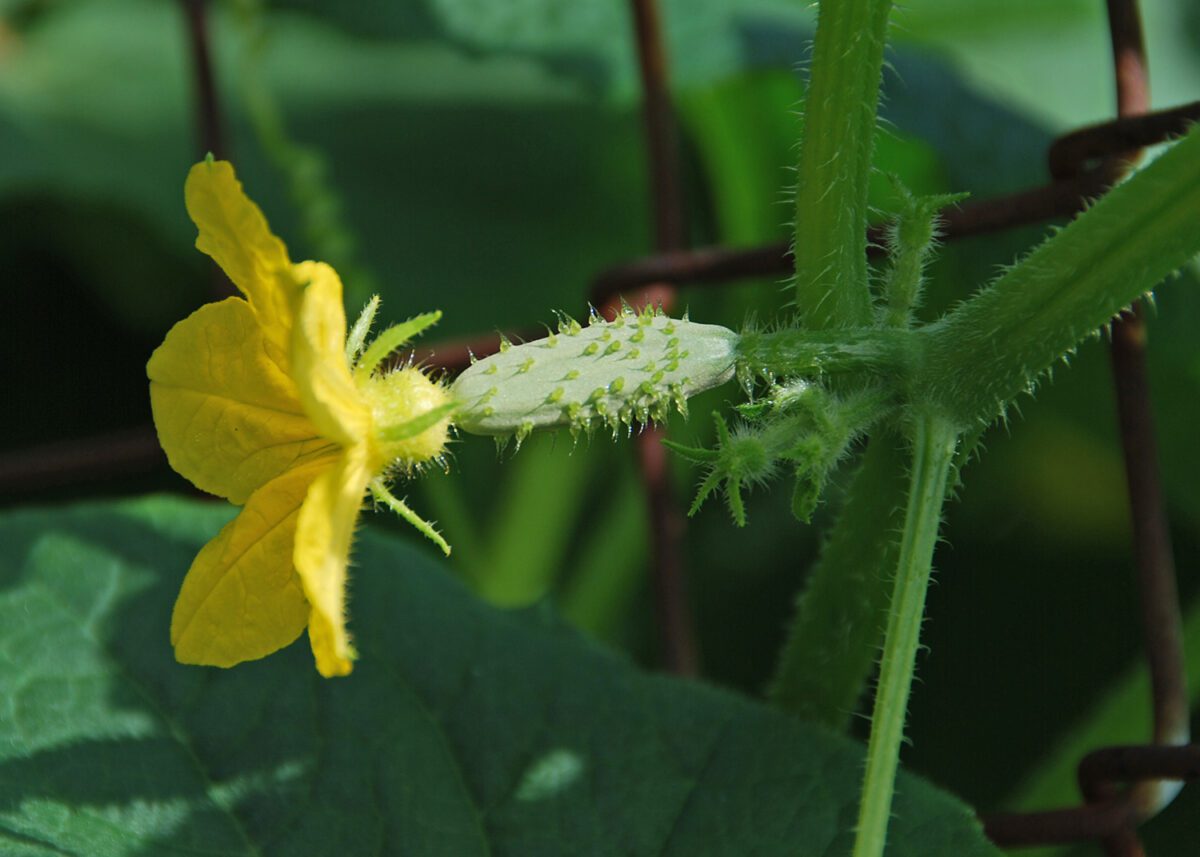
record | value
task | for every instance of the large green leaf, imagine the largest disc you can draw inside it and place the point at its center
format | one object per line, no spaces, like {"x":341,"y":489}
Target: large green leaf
{"x":464,"y":730}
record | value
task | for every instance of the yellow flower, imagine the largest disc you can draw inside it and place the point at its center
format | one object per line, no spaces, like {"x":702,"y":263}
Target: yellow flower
{"x":266,"y":402}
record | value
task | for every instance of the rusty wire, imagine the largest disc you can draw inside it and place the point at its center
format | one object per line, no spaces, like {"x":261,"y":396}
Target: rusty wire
{"x":209,"y":127}
{"x":1083,"y":164}
{"x":1162,"y":626}
{"x":1061,"y":197}
{"x":208,"y":115}
{"x":1112,"y":813}
{"x":677,"y":639}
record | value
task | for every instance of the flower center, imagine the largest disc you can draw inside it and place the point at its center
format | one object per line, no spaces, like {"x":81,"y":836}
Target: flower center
{"x":401,"y":404}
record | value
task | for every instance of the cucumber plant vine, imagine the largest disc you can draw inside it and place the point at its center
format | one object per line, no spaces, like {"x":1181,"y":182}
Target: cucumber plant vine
{"x":852,"y":362}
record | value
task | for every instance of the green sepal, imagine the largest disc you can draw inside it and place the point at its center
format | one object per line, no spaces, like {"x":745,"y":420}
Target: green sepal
{"x":391,"y":339}
{"x":418,"y":424}
{"x":754,"y":411}
{"x":380,"y":492}
{"x":357,"y":337}
{"x":694,"y":454}
{"x":911,"y":237}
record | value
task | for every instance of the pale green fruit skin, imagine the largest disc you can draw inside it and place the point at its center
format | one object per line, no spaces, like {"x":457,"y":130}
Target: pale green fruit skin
{"x":609,"y":373}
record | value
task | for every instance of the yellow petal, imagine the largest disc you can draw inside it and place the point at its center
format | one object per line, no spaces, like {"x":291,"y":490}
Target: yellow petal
{"x":242,"y":599}
{"x":319,"y":362}
{"x":235,"y":234}
{"x":229,"y":419}
{"x":323,"y":536}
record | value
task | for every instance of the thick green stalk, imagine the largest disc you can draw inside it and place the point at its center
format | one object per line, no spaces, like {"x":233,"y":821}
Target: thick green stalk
{"x":870,"y":352}
{"x":835,"y":163}
{"x":933,"y":442}
{"x":832,"y":644}
{"x":843,"y":603}
{"x":997,"y":344}
{"x":833,"y":641}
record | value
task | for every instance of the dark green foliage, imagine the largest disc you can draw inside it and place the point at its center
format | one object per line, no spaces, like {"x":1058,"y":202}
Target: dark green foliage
{"x":463,"y":730}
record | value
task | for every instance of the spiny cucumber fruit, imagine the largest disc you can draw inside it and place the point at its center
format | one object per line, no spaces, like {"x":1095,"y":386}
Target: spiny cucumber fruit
{"x":607,"y":373}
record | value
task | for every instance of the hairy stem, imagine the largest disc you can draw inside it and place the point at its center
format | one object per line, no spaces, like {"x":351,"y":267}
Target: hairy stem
{"x":933,"y":443}
{"x":996,"y":345}
{"x":832,"y":642}
{"x":835,"y":161}
{"x":380,"y":492}
{"x":868,"y":353}
{"x":911,"y":239}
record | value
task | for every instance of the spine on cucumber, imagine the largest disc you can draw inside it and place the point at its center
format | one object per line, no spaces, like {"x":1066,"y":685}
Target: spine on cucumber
{"x":609,"y":374}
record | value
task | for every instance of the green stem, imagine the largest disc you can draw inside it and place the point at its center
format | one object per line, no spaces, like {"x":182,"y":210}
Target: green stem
{"x":996,"y":345}
{"x":380,"y":492}
{"x":832,"y":291}
{"x":830,"y":242}
{"x":832,"y":643}
{"x":871,"y":352}
{"x":933,"y":443}
{"x":912,"y":236}
{"x":391,"y":339}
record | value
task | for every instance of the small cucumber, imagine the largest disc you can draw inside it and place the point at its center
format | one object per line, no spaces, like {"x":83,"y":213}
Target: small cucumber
{"x":607,"y":373}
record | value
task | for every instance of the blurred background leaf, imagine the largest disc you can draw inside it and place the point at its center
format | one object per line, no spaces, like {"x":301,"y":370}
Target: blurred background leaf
{"x":463,"y":730}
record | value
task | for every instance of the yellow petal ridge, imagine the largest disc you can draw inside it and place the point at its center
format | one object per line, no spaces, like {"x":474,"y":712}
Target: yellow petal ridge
{"x":234,"y":232}
{"x":228,"y":418}
{"x":242,"y":598}
{"x":324,"y":531}
{"x":319,"y":363}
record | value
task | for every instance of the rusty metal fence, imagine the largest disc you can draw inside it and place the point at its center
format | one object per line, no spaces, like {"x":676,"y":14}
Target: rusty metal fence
{"x":1122,"y":786}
